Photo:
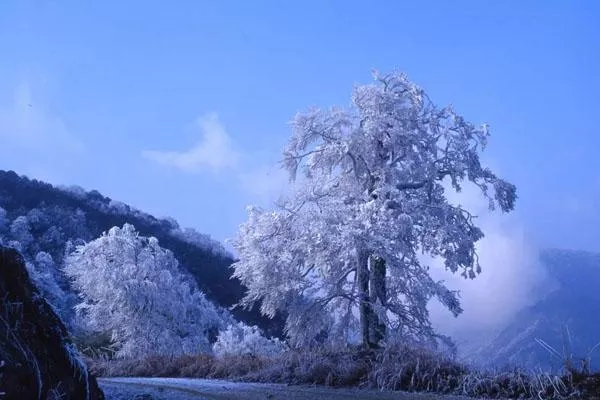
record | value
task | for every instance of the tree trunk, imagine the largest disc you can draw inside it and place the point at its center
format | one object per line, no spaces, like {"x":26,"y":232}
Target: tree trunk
{"x":378,"y":296}
{"x":364,"y":302}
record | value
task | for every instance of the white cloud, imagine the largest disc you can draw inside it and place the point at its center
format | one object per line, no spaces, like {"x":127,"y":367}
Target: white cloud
{"x":511,"y":277}
{"x":261,"y":181}
{"x":214,"y":150}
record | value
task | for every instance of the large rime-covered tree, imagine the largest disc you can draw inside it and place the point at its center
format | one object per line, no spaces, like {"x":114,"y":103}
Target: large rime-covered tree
{"x":341,"y":255}
{"x":132,"y":290}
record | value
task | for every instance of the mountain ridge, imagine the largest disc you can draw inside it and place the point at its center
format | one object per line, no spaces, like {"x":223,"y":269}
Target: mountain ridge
{"x":49,"y":219}
{"x":56,"y":217}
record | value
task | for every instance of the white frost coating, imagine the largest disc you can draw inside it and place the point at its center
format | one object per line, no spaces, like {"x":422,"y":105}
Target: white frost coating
{"x":203,"y":241}
{"x":241,"y":339}
{"x":3,"y":221}
{"x":118,"y":207}
{"x":41,"y":273}
{"x":188,"y":235}
{"x":132,"y":289}
{"x":74,"y":190}
{"x":374,"y":182}
{"x":20,"y":230}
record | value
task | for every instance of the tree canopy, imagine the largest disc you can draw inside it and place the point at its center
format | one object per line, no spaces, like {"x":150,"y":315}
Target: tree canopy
{"x":342,"y":254}
{"x":132,"y":290}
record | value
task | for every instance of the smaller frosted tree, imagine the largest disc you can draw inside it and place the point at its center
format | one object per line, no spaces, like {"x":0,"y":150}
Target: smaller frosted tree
{"x":43,"y":272}
{"x":132,"y":290}
{"x":20,"y":230}
{"x":3,"y":225}
{"x":3,"y":221}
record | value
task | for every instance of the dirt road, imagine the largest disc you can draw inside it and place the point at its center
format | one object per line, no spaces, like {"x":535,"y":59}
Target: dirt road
{"x":203,"y":389}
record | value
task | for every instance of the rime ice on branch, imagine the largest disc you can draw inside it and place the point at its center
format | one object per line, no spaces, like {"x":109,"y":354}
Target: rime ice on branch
{"x":341,"y":255}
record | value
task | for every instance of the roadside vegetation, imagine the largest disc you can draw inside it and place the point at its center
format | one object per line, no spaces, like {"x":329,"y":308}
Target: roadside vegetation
{"x":398,"y":368}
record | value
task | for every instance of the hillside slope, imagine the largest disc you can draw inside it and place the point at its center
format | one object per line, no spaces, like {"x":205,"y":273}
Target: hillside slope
{"x":47,"y":220}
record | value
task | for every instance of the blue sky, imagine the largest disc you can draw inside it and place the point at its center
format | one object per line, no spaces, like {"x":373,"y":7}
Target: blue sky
{"x":181,"y":108}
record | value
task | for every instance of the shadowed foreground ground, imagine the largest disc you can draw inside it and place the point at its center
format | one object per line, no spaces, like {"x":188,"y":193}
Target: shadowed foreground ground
{"x":206,"y":389}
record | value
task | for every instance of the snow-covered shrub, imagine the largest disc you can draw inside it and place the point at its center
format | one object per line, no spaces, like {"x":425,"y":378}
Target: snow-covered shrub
{"x":241,"y":339}
{"x":43,"y":274}
{"x":132,"y":290}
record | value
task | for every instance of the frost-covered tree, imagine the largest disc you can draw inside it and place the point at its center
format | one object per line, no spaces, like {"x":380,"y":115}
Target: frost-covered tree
{"x":3,"y":221}
{"x":118,"y":207}
{"x":36,"y":218}
{"x":44,"y":272}
{"x":132,"y":289}
{"x":192,"y":236}
{"x":341,"y":256}
{"x":20,"y":230}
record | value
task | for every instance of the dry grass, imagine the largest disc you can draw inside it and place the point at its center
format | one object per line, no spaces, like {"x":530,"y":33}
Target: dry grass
{"x":400,"y":368}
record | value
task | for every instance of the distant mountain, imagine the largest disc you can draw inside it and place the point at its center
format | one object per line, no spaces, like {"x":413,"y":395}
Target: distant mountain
{"x":566,"y":318}
{"x":42,"y":221}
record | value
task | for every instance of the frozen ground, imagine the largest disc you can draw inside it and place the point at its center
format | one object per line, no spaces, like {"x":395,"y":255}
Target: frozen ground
{"x":203,"y":389}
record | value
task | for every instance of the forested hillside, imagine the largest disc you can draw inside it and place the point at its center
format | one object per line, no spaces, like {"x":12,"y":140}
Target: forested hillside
{"x":42,"y":221}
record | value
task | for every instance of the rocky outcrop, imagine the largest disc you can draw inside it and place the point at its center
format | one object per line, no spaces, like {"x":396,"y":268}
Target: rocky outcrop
{"x":38,"y":359}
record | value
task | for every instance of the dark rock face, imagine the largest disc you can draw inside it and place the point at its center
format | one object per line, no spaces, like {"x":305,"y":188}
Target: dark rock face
{"x":39,"y":360}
